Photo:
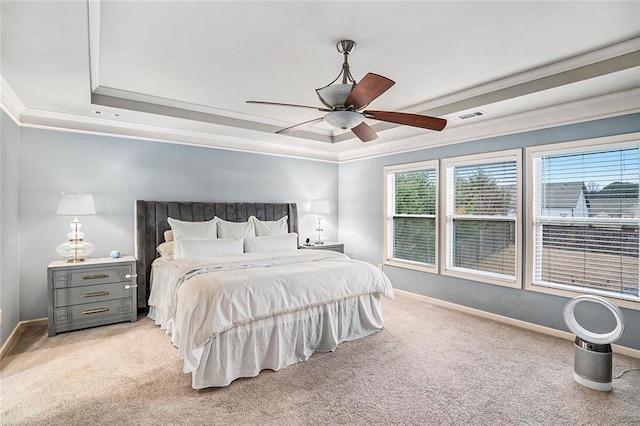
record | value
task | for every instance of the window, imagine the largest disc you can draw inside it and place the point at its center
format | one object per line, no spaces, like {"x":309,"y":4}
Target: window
{"x":586,"y":219}
{"x":411,"y":234}
{"x":482,"y":217}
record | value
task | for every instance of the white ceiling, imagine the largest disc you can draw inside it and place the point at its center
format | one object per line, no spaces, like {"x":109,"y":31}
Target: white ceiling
{"x":525,"y":65}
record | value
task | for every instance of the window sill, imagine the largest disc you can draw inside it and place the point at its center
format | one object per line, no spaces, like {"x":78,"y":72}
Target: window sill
{"x":411,"y":265}
{"x":486,"y":279}
{"x":623,"y":303}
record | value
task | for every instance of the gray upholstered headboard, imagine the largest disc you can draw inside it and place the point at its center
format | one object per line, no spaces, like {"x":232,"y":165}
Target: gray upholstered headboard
{"x":151,"y":222}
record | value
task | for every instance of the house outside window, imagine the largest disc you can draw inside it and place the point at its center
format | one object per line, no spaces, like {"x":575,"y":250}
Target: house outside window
{"x":411,"y":234}
{"x":482,"y":210}
{"x":565,"y":199}
{"x":585,"y":219}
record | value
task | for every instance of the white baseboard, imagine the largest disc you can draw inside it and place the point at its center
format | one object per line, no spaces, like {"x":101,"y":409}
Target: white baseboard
{"x":14,"y":334}
{"x":622,"y":350}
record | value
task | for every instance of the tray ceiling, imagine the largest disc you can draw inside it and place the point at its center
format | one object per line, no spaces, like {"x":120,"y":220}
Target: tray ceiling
{"x":181,"y":71}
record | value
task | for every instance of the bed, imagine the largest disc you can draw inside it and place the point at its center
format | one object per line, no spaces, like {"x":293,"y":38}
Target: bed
{"x":233,"y":313}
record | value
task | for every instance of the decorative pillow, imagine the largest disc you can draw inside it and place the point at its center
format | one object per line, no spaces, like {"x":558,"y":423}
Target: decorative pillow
{"x":168,"y":236}
{"x":192,"y":231}
{"x":166,"y":250}
{"x":287,"y":242}
{"x":210,"y":248}
{"x":268,"y":228}
{"x":228,"y":229}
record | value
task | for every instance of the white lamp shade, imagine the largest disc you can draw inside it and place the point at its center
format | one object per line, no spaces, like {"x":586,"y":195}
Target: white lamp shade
{"x":344,"y":119}
{"x":76,"y":204}
{"x":319,"y":206}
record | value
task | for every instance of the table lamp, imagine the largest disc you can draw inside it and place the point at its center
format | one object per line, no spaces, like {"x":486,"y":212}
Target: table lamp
{"x":75,"y":204}
{"x":319,"y":207}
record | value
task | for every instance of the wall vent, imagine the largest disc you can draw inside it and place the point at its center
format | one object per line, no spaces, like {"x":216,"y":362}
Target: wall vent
{"x":107,"y":113}
{"x":469,"y":115}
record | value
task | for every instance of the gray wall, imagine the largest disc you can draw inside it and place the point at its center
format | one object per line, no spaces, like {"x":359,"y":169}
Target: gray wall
{"x":9,"y":226}
{"x":362,"y":223}
{"x":118,"y":171}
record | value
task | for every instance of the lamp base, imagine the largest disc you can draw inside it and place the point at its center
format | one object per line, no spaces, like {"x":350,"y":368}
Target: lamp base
{"x":319,"y":232}
{"x":76,"y":248}
{"x":75,"y":251}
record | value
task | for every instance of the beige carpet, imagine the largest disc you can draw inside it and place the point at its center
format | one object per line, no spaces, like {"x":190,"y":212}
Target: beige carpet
{"x":429,"y":365}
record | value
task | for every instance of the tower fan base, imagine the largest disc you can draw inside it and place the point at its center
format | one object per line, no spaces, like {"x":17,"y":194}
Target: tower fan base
{"x":602,"y":387}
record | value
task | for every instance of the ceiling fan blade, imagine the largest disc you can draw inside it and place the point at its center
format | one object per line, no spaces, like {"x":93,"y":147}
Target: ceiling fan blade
{"x":364,"y":132}
{"x":415,"y":120}
{"x":289,"y":105}
{"x":296,"y":126}
{"x":369,"y":88}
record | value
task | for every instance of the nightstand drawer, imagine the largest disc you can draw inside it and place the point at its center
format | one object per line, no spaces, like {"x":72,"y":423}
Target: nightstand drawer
{"x":91,"y":294}
{"x":335,"y":247}
{"x":83,"y":277}
{"x":95,"y":292}
{"x":92,"y":311}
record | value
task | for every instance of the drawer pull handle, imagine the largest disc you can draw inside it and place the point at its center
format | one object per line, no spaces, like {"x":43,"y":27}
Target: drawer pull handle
{"x":127,"y":287}
{"x":95,"y":277}
{"x":131,"y":276}
{"x":95,"y":294}
{"x":94,"y":311}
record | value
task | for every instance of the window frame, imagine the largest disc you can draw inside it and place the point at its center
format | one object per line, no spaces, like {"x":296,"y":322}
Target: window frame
{"x":389,"y":208}
{"x":448,"y":215}
{"x":631,"y":140}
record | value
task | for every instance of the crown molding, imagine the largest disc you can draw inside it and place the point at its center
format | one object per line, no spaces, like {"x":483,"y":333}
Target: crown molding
{"x":93,"y":29}
{"x":224,"y":137}
{"x":258,"y":142}
{"x":130,"y":101}
{"x":10,"y":102}
{"x":605,"y":106}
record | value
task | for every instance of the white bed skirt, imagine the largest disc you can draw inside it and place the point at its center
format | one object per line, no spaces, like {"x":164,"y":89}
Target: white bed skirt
{"x":275,"y":343}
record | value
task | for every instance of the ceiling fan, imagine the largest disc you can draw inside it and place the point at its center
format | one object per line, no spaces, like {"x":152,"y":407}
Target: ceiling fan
{"x":344,"y":103}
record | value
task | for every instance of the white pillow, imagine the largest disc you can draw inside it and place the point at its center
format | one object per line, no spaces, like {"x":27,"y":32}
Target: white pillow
{"x":192,"y":231}
{"x":228,"y":229}
{"x":166,"y":250}
{"x":210,"y":248}
{"x":287,"y":242}
{"x":268,"y":228}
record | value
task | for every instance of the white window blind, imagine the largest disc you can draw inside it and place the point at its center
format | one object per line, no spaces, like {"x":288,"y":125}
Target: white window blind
{"x":412,"y":215}
{"x":482,"y":215}
{"x":586,"y":222}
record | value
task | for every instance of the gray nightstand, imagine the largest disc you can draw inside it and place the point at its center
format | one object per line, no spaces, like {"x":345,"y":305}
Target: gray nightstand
{"x":91,"y":293}
{"x":339,"y":247}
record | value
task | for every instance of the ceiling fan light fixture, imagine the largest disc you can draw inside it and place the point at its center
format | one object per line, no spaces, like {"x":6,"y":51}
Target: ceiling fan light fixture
{"x":344,"y":119}
{"x":345,"y":100}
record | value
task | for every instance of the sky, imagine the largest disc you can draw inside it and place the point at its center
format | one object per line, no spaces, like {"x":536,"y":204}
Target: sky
{"x":601,"y":168}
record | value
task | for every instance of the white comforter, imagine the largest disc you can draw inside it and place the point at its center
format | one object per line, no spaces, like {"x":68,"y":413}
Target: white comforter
{"x":201,"y":298}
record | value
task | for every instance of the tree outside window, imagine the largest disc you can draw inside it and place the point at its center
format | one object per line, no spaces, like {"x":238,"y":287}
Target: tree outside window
{"x":412,"y":207}
{"x":482,"y":208}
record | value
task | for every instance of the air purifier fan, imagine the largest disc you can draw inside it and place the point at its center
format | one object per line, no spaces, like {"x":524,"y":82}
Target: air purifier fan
{"x":593,"y":357}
